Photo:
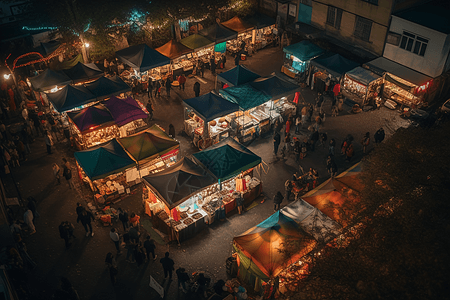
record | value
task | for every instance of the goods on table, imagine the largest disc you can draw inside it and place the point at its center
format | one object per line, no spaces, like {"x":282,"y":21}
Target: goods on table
{"x":188,"y":221}
{"x":197,"y":216}
{"x":183,"y":215}
{"x":163,"y":215}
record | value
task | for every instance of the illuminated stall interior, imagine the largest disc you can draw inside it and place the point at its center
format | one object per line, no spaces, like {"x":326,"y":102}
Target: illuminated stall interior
{"x":178,"y":53}
{"x":202,"y":49}
{"x":360,"y":85}
{"x":244,"y":31}
{"x":297,"y":57}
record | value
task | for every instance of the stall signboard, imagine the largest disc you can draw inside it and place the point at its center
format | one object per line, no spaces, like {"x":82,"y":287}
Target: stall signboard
{"x":222,"y":47}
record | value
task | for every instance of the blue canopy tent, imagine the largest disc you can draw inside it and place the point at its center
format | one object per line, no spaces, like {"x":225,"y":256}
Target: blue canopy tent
{"x":210,"y":106}
{"x":274,"y":86}
{"x":104,"y":160}
{"x":245,"y":96}
{"x":227,"y":159}
{"x":83,"y":72}
{"x":218,"y":33}
{"x":334,"y":64}
{"x":104,"y":87}
{"x":70,"y":97}
{"x":361,"y":75}
{"x":48,"y":80}
{"x":302,"y":53}
{"x":142,"y":57}
{"x":237,"y":76}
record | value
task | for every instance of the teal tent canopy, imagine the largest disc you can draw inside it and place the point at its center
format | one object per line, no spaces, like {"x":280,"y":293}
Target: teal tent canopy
{"x":104,"y":160}
{"x":304,"y":50}
{"x":210,"y":106}
{"x":227,"y":159}
{"x":218,"y":33}
{"x":196,"y":41}
{"x":48,"y":80}
{"x":83,"y":72}
{"x":334,"y":64}
{"x":70,"y":97}
{"x":245,"y":95}
{"x":104,"y":87}
{"x":237,"y":76}
{"x":362,"y":75}
{"x":274,"y":86}
{"x":142,"y":57}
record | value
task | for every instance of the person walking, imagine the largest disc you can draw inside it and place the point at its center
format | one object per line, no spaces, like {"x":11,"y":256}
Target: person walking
{"x":28,"y":219}
{"x":67,"y":173}
{"x":288,"y":125}
{"x":48,"y":141}
{"x":182,"y":81}
{"x":304,"y":113}
{"x":129,"y":245}
{"x":149,"y":108}
{"x":149,"y":88}
{"x":171,"y":131}
{"x":276,"y":142}
{"x":201,"y":66}
{"x":150,"y":247}
{"x":182,"y":277}
{"x":115,"y":238}
{"x":224,"y":60}
{"x":288,"y":188}
{"x":237,"y":58}
{"x":66,"y":232}
{"x":298,"y":123}
{"x":32,"y":206}
{"x":110,"y":262}
{"x":319,"y":101}
{"x":277,"y":200}
{"x":158,"y":88}
{"x":379,"y":136}
{"x":197,"y":89}
{"x":313,"y":138}
{"x":139,"y":254}
{"x":134,"y":234}
{"x":310,"y":112}
{"x":135,"y":221}
{"x":79,"y":209}
{"x":57,"y":172}
{"x":212,"y":63}
{"x":86,"y":217}
{"x":123,"y":217}
{"x":365,"y":142}
{"x":331,"y":147}
{"x":168,"y":86}
{"x":239,"y":203}
{"x":331,"y":166}
{"x":168,"y":265}
{"x":349,"y":152}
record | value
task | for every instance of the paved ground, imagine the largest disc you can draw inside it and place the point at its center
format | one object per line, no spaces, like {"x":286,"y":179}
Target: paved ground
{"x":84,"y":263}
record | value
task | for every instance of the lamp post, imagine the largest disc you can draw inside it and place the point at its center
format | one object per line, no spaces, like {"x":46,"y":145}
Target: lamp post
{"x":86,"y":46}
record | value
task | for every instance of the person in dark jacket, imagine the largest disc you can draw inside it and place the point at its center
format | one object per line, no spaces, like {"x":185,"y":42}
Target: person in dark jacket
{"x":149,"y":108}
{"x":66,"y":232}
{"x":313,"y":138}
{"x":276,"y":142}
{"x":86,"y":217}
{"x":379,"y":136}
{"x":237,"y":58}
{"x":32,"y":206}
{"x":168,"y":265}
{"x":277,"y":199}
{"x":149,"y":88}
{"x":168,"y":86}
{"x":197,"y":89}
{"x":331,"y":166}
{"x":183,"y":277}
{"x":123,"y":217}
{"x":150,"y":247}
{"x":171,"y":131}
{"x":158,"y":88}
{"x":224,"y":60}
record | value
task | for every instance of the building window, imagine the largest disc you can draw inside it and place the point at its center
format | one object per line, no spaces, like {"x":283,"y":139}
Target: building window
{"x":393,"y":38}
{"x":413,"y":43}
{"x":334,"y":17}
{"x":363,"y":27}
{"x":374,"y":2}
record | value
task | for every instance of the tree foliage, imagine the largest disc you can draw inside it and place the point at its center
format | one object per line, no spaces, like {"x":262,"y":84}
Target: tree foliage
{"x":400,"y":249}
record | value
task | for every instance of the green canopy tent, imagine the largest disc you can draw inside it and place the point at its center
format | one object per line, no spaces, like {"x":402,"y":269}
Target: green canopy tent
{"x":245,"y":95}
{"x":148,"y":145}
{"x":104,"y":160}
{"x":196,"y":42}
{"x":302,"y":53}
{"x":227,"y":159}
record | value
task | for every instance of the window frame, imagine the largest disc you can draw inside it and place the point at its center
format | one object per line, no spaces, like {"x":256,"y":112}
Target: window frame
{"x":409,"y":42}
{"x":360,"y":33}
{"x":337,"y":17}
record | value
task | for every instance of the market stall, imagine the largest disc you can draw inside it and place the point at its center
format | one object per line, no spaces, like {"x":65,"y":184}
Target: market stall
{"x":235,"y":76}
{"x":177,"y":52}
{"x":173,"y":198}
{"x":243,"y":42}
{"x":361,"y":85}
{"x":105,"y":169}
{"x":91,"y":126}
{"x":251,"y":120}
{"x":70,"y":98}
{"x":263,"y":33}
{"x":202,"y":49}
{"x":81,"y":73}
{"x":128,"y":114}
{"x":401,"y":84}
{"x":232,"y":165}
{"x":152,"y":149}
{"x":298,"y":56}
{"x":329,"y":66}
{"x":146,"y":63}
{"x":219,"y":35}
{"x":49,"y":80}
{"x":105,"y":87}
{"x":205,"y":119}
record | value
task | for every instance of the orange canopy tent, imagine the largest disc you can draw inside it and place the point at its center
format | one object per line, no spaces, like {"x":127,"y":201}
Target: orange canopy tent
{"x":237,"y":24}
{"x":173,"y":49}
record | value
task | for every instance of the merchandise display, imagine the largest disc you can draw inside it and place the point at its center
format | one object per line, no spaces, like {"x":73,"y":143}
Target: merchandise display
{"x":399,"y":95}
{"x":86,"y":140}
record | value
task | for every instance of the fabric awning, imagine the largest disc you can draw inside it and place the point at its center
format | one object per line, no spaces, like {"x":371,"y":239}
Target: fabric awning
{"x":48,"y":80}
{"x":399,"y":70}
{"x":274,"y":86}
{"x":362,"y":75}
{"x":210,"y":106}
{"x":196,"y":42}
{"x":218,"y":33}
{"x":104,"y":160}
{"x":237,"y":24}
{"x":91,"y":117}
{"x":149,"y":144}
{"x":179,"y":182}
{"x":124,"y":110}
{"x":173,"y":49}
{"x":227,"y":159}
{"x":83,"y":72}
{"x":245,"y":95}
{"x":142,"y":57}
{"x":105,"y":87}
{"x":70,"y":97}
{"x":304,"y":50}
{"x":334,"y":64}
{"x":237,"y":76}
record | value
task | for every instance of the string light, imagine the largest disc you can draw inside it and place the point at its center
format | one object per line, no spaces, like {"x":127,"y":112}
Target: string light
{"x":38,"y":28}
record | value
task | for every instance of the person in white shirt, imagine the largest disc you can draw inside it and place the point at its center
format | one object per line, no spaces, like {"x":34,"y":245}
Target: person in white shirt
{"x":28,"y":219}
{"x":115,"y":238}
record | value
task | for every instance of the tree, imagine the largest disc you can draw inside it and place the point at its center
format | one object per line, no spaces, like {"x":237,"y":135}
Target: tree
{"x":398,"y":248}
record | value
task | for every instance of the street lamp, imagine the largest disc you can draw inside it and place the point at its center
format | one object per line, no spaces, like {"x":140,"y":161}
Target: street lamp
{"x":7,"y":76}
{"x":86,"y":47}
